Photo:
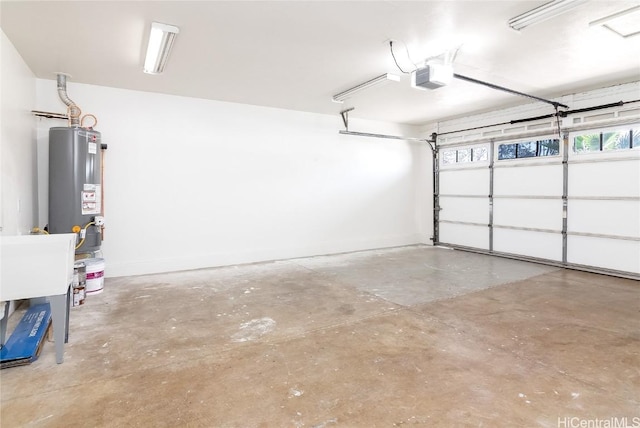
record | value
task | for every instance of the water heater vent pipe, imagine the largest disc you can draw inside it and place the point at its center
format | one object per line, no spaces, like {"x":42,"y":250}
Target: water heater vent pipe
{"x":73,"y":109}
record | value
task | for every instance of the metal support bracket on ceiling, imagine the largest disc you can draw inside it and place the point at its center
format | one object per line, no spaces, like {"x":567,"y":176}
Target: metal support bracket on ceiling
{"x":511,"y":91}
{"x":345,"y":117}
{"x":390,"y":137}
{"x":49,"y":115}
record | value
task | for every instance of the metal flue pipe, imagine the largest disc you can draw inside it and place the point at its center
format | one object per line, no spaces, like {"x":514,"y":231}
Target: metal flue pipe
{"x":73,"y":109}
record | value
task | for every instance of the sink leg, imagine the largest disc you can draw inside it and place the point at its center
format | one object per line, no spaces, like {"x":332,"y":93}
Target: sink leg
{"x":3,"y":324}
{"x":59,"y":318}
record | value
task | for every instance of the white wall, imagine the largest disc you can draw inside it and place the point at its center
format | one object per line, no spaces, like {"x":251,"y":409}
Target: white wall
{"x":18,"y":201}
{"x":194,"y":183}
{"x":423,"y":187}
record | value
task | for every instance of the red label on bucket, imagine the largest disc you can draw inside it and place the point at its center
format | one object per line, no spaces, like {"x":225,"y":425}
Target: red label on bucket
{"x":95,"y":275}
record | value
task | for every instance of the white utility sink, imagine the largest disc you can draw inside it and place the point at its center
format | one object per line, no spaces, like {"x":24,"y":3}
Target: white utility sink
{"x":38,"y":266}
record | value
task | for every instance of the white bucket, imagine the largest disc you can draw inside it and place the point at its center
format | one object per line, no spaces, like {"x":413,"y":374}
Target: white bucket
{"x":95,"y":276}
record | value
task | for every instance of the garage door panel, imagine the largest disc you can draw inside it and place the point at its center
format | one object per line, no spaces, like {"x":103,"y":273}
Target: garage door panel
{"x":606,"y":217}
{"x":474,"y":210}
{"x":531,"y":213}
{"x":538,"y":180}
{"x":619,"y":178}
{"x":533,"y":244}
{"x":464,"y":182}
{"x":466,"y":235}
{"x":617,"y":254}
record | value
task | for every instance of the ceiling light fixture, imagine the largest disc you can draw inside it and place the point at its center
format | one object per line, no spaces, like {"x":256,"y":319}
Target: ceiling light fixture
{"x":625,"y":23}
{"x":161,"y":39}
{"x":542,"y":13}
{"x":387,"y":77}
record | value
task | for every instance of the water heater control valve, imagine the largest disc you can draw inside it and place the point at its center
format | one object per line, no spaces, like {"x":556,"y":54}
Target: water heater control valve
{"x":99,"y":220}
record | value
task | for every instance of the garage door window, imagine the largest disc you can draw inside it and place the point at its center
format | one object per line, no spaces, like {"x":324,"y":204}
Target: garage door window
{"x":480,"y":154}
{"x":606,"y":141}
{"x":465,"y":155}
{"x":529,"y":149}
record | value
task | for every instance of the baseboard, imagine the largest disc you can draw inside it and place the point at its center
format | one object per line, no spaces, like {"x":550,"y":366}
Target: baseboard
{"x":115,"y":268}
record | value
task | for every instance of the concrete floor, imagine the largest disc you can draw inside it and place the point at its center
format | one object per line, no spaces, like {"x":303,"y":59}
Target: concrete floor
{"x":406,"y":336}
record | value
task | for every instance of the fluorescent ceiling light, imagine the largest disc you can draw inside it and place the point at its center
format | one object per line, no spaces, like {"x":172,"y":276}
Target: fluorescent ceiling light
{"x":161,"y":39}
{"x":339,"y":98}
{"x":625,"y":23}
{"x":544,"y":12}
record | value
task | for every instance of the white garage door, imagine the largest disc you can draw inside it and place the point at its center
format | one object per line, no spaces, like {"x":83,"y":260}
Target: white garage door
{"x":464,"y":196}
{"x":604,"y":198}
{"x":512,"y":201}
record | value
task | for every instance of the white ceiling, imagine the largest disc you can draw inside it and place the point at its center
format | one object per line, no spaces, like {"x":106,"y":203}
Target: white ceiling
{"x":297,"y":54}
